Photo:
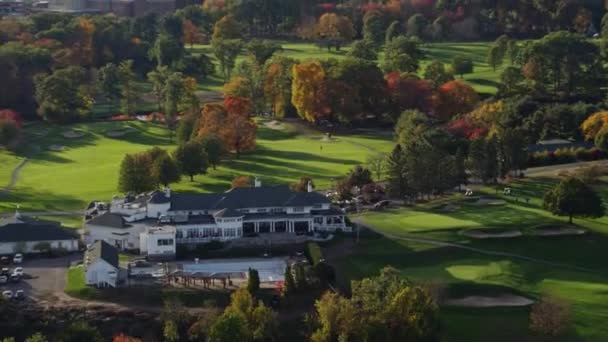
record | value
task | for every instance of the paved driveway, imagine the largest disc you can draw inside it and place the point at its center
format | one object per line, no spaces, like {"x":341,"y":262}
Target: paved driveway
{"x":43,"y":276}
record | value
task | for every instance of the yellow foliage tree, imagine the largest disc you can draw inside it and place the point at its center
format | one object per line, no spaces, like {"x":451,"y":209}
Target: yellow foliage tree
{"x":593,"y":124}
{"x":308,"y":91}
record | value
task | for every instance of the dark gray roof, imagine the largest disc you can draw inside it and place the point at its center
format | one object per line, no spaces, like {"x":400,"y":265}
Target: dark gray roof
{"x":228,"y":213}
{"x":109,"y":219}
{"x":158,"y":197}
{"x":104,"y":251}
{"x":253,"y":197}
{"x":23,"y":232}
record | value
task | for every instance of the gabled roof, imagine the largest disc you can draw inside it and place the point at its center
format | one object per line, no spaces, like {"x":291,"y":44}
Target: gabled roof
{"x":25,"y":231}
{"x":225,"y":213}
{"x":102,"y":250}
{"x":109,"y":219}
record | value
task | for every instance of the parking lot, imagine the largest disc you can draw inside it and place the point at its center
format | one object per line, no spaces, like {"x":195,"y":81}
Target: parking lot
{"x":42,"y":276}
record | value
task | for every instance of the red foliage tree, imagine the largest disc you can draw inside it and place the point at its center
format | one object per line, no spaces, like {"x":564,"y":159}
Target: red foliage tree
{"x":453,"y":98}
{"x":11,"y":115}
{"x":408,"y":92}
{"x":125,"y":338}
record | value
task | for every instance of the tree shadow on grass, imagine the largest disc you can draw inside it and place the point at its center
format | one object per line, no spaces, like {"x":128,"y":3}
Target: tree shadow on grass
{"x":30,"y":199}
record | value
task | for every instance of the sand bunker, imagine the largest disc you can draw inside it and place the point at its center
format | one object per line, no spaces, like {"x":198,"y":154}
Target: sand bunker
{"x":489,"y":233}
{"x":274,"y":124}
{"x":57,"y":148}
{"x":505,"y":300}
{"x":72,"y":134}
{"x":489,"y":201}
{"x":558,"y":231}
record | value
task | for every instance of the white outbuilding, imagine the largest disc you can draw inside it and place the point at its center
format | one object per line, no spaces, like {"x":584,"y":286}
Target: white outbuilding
{"x":21,"y":234}
{"x":101,"y":265}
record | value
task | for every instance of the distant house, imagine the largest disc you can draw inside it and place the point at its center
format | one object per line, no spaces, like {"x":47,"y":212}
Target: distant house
{"x":28,"y":235}
{"x":101,"y":265}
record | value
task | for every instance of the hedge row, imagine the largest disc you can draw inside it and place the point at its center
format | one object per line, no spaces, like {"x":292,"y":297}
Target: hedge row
{"x":564,"y":156}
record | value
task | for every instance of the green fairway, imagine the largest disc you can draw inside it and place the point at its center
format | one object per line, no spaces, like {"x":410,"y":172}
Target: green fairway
{"x":88,"y":168}
{"x":484,"y":79}
{"x":8,"y":161}
{"x":585,"y":291}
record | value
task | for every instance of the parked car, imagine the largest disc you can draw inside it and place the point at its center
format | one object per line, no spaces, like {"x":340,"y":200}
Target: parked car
{"x":7,"y":294}
{"x":5,"y":271}
{"x":19,"y":295}
{"x":18,"y":271}
{"x":15,"y":278}
{"x":18,"y":258}
{"x":3,"y":280}
{"x":4,"y":260}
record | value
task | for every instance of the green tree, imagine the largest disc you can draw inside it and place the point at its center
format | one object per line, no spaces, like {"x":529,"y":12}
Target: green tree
{"x":158,"y":77}
{"x":165,"y":170}
{"x":437,"y":74}
{"x":374,"y":26}
{"x":37,"y":337}
{"x":512,"y":51}
{"x":462,"y":65}
{"x":192,"y":159}
{"x":185,"y":128}
{"x":402,"y":54}
{"x":393,"y":30}
{"x":460,"y":167}
{"x":264,"y":324}
{"x":253,"y":281}
{"x":416,"y":25}
{"x":289,"y":286}
{"x":229,"y":327}
{"x":226,"y":51}
{"x":128,"y":88}
{"x":9,"y":131}
{"x":300,"y":278}
{"x":363,"y":49}
{"x":61,"y":96}
{"x":227,"y":28}
{"x":166,"y":50}
{"x":170,"y":332}
{"x":601,"y":139}
{"x":261,"y":50}
{"x":135,"y":175}
{"x":376,"y":163}
{"x":79,"y":332}
{"x":174,"y":91}
{"x":573,"y":198}
{"x":109,"y":83}
{"x":396,"y":169}
{"x":214,"y":148}
{"x":495,"y":57}
{"x":511,"y":82}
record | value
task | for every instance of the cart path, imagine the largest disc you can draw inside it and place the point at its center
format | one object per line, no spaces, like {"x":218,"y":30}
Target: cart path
{"x":14,"y":178}
{"x":440,"y":243}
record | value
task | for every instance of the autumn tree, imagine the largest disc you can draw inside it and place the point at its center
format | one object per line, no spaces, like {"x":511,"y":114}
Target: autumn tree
{"x":407,"y":92}
{"x":61,"y":96}
{"x":550,"y":317}
{"x":455,"y":97}
{"x":227,"y":28}
{"x":302,"y":184}
{"x":241,"y":182}
{"x":308,"y":91}
{"x":128,"y":87}
{"x":191,"y":158}
{"x":239,"y":130}
{"x":335,"y":30}
{"x":191,"y":33}
{"x":277,"y":85}
{"x":462,"y":65}
{"x":594,"y":124}
{"x":125,"y":338}
{"x":573,"y":198}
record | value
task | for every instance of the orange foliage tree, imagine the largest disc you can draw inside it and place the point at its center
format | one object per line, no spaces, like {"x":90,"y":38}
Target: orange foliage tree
{"x":453,"y":98}
{"x":231,"y":123}
{"x":241,"y":182}
{"x":408,"y":92}
{"x":85,"y":44}
{"x":308,"y":91}
{"x":594,"y":124}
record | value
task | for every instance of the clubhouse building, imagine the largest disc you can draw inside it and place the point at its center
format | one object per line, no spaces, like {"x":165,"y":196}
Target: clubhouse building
{"x":154,"y":223}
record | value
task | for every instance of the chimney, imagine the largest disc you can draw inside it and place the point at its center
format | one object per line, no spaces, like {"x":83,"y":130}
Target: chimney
{"x":257,"y":182}
{"x":168,"y":192}
{"x":310,"y":188}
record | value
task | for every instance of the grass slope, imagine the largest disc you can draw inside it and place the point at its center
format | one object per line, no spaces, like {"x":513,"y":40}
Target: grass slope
{"x":585,"y":291}
{"x":88,"y":169}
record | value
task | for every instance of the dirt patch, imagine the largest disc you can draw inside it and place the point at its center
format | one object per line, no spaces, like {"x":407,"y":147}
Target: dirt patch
{"x":558,"y":231}
{"x":489,"y":233}
{"x":57,"y":148}
{"x":274,"y":124}
{"x":72,"y":134}
{"x":505,"y":300}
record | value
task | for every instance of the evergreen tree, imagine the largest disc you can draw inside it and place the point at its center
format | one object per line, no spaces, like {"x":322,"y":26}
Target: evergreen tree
{"x":300,"y":279}
{"x":253,"y":281}
{"x":289,"y":286}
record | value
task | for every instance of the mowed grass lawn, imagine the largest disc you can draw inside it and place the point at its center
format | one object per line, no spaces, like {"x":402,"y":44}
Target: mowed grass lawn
{"x":585,"y":291}
{"x":8,"y":162}
{"x":88,"y":168}
{"x":484,"y":79}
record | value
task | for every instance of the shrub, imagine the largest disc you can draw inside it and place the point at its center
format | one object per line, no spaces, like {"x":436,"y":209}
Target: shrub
{"x":550,"y":317}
